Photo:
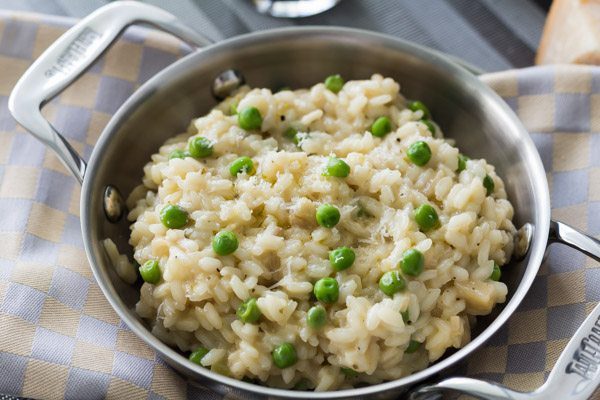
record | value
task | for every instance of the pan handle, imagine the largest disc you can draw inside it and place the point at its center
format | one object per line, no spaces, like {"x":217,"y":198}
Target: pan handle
{"x":565,"y":234}
{"x":576,"y":374}
{"x":70,"y":56}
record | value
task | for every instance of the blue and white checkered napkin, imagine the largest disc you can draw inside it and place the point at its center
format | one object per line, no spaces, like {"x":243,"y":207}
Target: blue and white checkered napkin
{"x":60,"y":338}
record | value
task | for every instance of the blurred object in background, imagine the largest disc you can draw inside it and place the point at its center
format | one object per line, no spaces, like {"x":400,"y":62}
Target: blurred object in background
{"x":490,"y":34}
{"x":571,"y":34}
{"x":293,"y":8}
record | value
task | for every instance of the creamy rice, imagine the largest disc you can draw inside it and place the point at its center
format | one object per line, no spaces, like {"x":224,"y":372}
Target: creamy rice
{"x":283,"y":251}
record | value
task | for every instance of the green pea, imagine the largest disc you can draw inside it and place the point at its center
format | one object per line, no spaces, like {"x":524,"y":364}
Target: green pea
{"x":419,"y":153}
{"x":341,"y":258}
{"x":413,"y":346}
{"x":284,"y":355}
{"x":429,"y":125}
{"x":200,"y":147}
{"x":290,"y":133}
{"x":150,"y":272}
{"x":349,"y":372}
{"x":381,"y":127}
{"x":496,"y":273}
{"x":419,"y":106}
{"x":224,"y":243}
{"x":327,"y":215}
{"x":242,"y":164}
{"x":405,"y":317}
{"x":233,"y":109}
{"x":335,"y":83}
{"x":250,"y":118}
{"x":337,"y":167}
{"x":462,"y":163}
{"x":178,"y":154}
{"x":488,"y":184}
{"x":173,"y":216}
{"x":198,"y":354}
{"x":426,"y":217}
{"x":326,"y":290}
{"x":391,"y":282}
{"x":412,"y":262}
{"x":248,"y":312}
{"x":316,"y":317}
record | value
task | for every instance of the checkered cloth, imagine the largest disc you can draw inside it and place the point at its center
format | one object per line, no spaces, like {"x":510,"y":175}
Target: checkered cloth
{"x":60,"y":338}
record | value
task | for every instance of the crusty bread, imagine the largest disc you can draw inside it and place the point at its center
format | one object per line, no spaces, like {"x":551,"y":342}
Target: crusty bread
{"x":571,"y":34}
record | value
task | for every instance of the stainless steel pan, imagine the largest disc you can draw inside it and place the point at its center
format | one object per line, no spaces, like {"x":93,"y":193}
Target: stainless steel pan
{"x":468,"y":110}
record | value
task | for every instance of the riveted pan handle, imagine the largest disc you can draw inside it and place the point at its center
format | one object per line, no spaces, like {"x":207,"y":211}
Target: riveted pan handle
{"x":70,"y":56}
{"x":576,"y":374}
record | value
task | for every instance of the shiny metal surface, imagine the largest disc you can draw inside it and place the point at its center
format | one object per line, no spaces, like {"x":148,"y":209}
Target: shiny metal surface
{"x":523,"y":241}
{"x":563,"y":233}
{"x":293,"y":8}
{"x":113,"y":204}
{"x":72,"y":54}
{"x":470,"y":112}
{"x":473,"y":387}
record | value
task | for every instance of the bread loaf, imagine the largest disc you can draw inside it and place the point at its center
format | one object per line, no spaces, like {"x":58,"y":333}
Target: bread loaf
{"x":571,"y":34}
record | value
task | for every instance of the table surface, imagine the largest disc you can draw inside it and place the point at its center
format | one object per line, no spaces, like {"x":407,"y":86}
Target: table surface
{"x":491,"y":34}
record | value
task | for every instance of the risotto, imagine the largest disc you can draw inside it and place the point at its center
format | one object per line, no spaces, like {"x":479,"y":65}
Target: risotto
{"x":317,"y":238}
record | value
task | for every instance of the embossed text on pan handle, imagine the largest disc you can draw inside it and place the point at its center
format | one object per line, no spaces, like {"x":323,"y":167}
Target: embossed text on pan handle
{"x":576,"y":374}
{"x":70,"y":56}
